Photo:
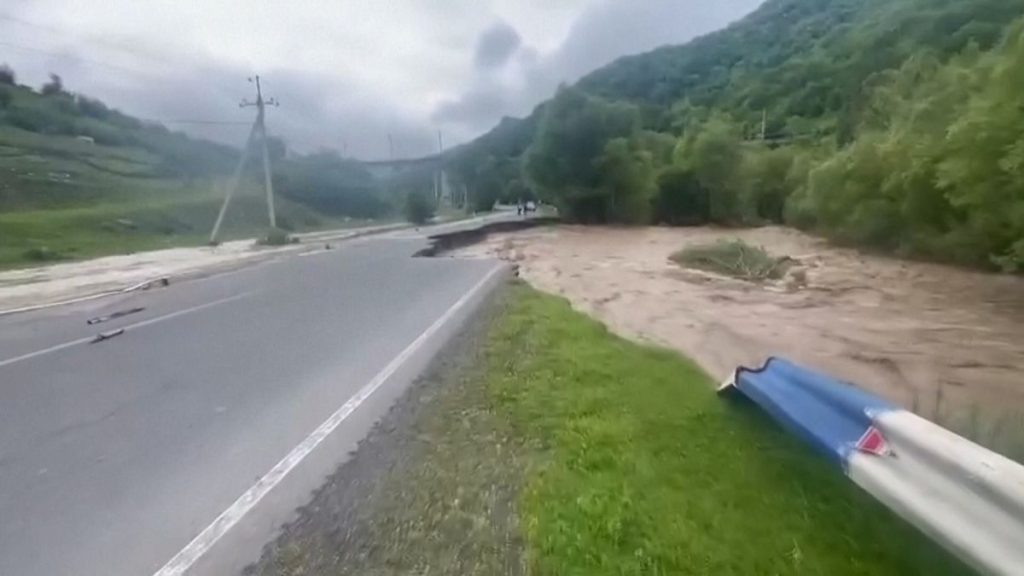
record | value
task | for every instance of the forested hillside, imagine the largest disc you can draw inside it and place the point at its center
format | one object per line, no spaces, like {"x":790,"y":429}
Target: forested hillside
{"x":893,"y":124}
{"x":80,"y":179}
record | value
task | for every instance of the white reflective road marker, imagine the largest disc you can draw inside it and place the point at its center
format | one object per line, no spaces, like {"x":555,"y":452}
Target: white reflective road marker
{"x":202,"y":543}
{"x":89,"y":339}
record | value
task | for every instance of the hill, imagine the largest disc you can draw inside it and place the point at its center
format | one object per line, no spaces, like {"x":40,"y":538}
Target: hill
{"x":862,"y":119}
{"x":78,"y":179}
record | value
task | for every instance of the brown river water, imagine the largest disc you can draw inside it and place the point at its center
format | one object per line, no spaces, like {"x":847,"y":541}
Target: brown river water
{"x":945,"y":342}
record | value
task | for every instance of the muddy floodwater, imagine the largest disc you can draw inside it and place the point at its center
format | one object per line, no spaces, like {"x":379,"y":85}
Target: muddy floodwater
{"x":946,"y":342}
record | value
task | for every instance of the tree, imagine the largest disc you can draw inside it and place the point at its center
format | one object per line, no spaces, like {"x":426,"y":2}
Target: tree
{"x":54,"y":87}
{"x":681,"y":201}
{"x":562,"y":162}
{"x":714,"y":154}
{"x":765,"y":183}
{"x":7,"y":75}
{"x":628,"y":177}
{"x":92,"y":108}
{"x":517,"y":191}
{"x":328,"y":183}
{"x":418,"y":209}
{"x":893,"y":124}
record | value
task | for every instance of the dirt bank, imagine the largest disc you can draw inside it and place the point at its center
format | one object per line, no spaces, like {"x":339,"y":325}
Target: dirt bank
{"x":927,"y":336}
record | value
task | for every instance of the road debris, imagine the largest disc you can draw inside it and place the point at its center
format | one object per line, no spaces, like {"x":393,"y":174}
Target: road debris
{"x":107,"y":335}
{"x":118,"y":314}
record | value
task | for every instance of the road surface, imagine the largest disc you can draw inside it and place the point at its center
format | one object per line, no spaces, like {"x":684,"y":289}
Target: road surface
{"x":116,"y":455}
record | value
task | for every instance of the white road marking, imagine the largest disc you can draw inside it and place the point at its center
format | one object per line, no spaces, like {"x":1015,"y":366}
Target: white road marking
{"x":201,"y":544}
{"x":88,"y":339}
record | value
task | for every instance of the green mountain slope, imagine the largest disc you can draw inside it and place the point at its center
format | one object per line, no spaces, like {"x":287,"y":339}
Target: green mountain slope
{"x":802,"y":58}
{"x":874,"y":114}
{"x":78,"y":179}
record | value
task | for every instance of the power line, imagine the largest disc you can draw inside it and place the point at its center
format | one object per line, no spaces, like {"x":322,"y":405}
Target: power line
{"x":200,"y":122}
{"x":66,"y":56}
{"x":89,"y":39}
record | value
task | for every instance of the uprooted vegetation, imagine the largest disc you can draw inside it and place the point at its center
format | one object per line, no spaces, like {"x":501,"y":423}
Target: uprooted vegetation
{"x":733,"y":258}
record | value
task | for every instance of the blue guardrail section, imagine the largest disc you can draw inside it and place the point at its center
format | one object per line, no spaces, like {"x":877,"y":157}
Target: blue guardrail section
{"x":829,"y":414}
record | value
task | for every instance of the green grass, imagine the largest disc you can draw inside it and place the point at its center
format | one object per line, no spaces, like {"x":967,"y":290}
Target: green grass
{"x":637,"y":467}
{"x":105,"y":229}
{"x":732,"y":258}
{"x":47,"y":171}
{"x":64,"y":199}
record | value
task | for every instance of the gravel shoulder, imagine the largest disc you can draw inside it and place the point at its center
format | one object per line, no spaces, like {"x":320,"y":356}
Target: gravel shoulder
{"x":431,"y":490}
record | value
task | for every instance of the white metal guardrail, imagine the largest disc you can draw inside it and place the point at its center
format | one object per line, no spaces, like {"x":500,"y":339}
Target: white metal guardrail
{"x":967,"y":498}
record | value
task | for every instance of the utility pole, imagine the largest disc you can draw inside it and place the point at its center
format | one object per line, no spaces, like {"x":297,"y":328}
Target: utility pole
{"x":259,"y":127}
{"x":261,"y":116}
{"x":439,"y":178}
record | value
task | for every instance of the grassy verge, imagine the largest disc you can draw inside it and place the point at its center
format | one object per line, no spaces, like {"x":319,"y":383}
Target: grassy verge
{"x":638,"y":468}
{"x":732,"y":258}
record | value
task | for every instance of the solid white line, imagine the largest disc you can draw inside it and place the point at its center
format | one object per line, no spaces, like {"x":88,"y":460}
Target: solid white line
{"x":56,"y":348}
{"x":88,"y":339}
{"x":202,"y":543}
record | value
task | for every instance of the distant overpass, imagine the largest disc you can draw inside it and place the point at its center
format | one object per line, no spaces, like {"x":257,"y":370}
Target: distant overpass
{"x":388,"y":168}
{"x":444,"y":189}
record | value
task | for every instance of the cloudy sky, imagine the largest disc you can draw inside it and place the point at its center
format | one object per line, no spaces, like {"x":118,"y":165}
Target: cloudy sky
{"x":347,"y":72}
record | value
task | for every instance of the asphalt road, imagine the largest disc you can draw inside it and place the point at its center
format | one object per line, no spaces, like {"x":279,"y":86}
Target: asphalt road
{"x":115,"y":455}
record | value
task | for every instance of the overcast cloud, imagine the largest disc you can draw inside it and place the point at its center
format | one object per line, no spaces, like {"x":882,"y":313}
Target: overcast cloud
{"x":347,"y":73}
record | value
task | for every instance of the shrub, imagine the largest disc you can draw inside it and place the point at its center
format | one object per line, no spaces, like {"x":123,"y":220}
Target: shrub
{"x":277,"y":237}
{"x":42,"y":254}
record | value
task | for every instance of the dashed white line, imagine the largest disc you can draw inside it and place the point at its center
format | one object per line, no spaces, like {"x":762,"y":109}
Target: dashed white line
{"x":88,"y":339}
{"x":201,"y":544}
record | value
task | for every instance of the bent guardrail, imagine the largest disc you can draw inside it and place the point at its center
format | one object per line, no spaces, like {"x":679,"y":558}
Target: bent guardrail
{"x":967,"y":498}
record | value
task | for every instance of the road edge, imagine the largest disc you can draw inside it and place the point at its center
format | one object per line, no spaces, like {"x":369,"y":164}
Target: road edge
{"x":237,"y":536}
{"x":340,"y":235}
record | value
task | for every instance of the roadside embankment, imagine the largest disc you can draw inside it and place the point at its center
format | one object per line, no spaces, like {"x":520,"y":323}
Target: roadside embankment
{"x":543,"y":444}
